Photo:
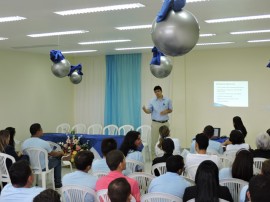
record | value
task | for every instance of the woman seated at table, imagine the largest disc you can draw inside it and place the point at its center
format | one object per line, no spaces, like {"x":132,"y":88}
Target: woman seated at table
{"x":207,"y":186}
{"x":242,"y":167}
{"x":164,"y":132}
{"x":237,"y":140}
{"x":130,"y":145}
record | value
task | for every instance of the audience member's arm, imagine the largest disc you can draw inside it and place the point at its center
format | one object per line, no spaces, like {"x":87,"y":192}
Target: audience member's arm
{"x":56,"y":153}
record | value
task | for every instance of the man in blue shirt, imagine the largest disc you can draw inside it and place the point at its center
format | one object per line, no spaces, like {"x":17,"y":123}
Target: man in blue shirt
{"x":159,"y":108}
{"x":20,"y":188}
{"x":171,"y":182}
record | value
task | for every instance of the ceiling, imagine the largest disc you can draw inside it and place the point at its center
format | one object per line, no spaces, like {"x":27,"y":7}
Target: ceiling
{"x":101,"y":26}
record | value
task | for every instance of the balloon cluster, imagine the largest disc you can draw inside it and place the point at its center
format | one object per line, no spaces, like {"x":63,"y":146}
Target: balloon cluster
{"x":61,"y":67}
{"x":174,"y":32}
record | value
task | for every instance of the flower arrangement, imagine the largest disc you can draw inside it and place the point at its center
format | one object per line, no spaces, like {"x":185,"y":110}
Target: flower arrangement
{"x":72,"y":146}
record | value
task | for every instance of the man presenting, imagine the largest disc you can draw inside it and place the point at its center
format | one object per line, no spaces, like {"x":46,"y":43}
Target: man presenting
{"x":159,"y":108}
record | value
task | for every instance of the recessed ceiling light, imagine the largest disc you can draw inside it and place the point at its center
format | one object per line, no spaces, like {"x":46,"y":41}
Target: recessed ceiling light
{"x":134,"y":48}
{"x":102,"y":42}
{"x":12,"y":18}
{"x":259,"y":41}
{"x":100,"y":9}
{"x":256,"y":17}
{"x":58,"y":33}
{"x":78,"y":51}
{"x":209,"y":44}
{"x":134,"y":27}
{"x":207,"y":35}
{"x":2,"y":38}
{"x":251,"y":32}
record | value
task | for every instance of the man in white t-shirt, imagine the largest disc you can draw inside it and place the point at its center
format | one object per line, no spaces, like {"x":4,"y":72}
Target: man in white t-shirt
{"x":20,"y":188}
{"x":201,"y":145}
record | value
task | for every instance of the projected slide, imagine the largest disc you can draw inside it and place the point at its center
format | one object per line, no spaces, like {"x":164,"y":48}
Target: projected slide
{"x":231,"y":93}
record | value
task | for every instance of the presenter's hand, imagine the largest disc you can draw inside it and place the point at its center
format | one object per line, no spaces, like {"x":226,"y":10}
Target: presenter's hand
{"x":164,"y":112}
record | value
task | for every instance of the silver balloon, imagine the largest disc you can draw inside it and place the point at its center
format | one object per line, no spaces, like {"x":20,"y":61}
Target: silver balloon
{"x":177,"y":34}
{"x":61,"y":69}
{"x":164,"y":69}
{"x":75,"y":78}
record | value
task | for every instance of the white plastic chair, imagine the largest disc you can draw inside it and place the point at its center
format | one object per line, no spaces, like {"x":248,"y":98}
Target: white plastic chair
{"x":95,"y":129}
{"x":64,"y":162}
{"x":132,"y":165}
{"x":36,"y":155}
{"x":123,"y":130}
{"x":75,"y":193}
{"x":63,"y":128}
{"x":161,"y":167}
{"x":225,"y":161}
{"x":96,"y":154}
{"x":110,"y":130}
{"x":79,"y":128}
{"x":145,"y":131}
{"x":230,"y":154}
{"x":235,"y":186}
{"x":191,"y":181}
{"x":257,"y":167}
{"x":159,"y":197}
{"x":190,"y":171}
{"x":4,"y":174}
{"x":143,"y":179}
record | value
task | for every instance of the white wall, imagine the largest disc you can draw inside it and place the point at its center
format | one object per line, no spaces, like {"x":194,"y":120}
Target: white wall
{"x":31,"y":93}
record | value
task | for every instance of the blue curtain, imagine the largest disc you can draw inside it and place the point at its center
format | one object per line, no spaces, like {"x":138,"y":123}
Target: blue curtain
{"x":123,"y":90}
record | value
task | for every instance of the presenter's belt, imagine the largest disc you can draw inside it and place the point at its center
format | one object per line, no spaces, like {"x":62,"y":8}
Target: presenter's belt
{"x":160,"y":121}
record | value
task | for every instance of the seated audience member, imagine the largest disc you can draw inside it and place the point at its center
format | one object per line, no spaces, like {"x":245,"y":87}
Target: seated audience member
{"x":238,"y":125}
{"x":213,"y":146}
{"x":259,"y":187}
{"x":265,"y":172}
{"x":48,"y":195}
{"x":83,"y":162}
{"x":201,"y":147}
{"x":268,"y":131}
{"x":263,"y":146}
{"x":172,"y":182}
{"x":20,"y":188}
{"x":168,"y":147}
{"x":8,"y":149}
{"x":164,"y":132}
{"x":117,"y":163}
{"x":130,"y":145}
{"x":12,"y":133}
{"x":207,"y":186}
{"x":237,"y":140}
{"x":54,"y":156}
{"x":107,"y":145}
{"x":119,"y":190}
{"x":242,"y":167}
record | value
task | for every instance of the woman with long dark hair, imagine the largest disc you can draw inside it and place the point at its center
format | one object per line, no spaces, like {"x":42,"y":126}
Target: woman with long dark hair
{"x":242,"y":167}
{"x":130,"y":145}
{"x":207,"y":188}
{"x":238,"y":125}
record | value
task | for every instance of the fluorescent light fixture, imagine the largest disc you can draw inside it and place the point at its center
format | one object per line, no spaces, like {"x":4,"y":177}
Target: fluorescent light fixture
{"x":2,"y":38}
{"x":134,"y":48}
{"x":79,"y":51}
{"x":259,"y":41}
{"x":12,"y":18}
{"x":207,"y":35}
{"x":210,"y":44}
{"x":102,"y":42}
{"x":134,"y":27}
{"x":234,"y":19}
{"x":58,"y":33}
{"x":251,"y":32}
{"x":100,"y":9}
